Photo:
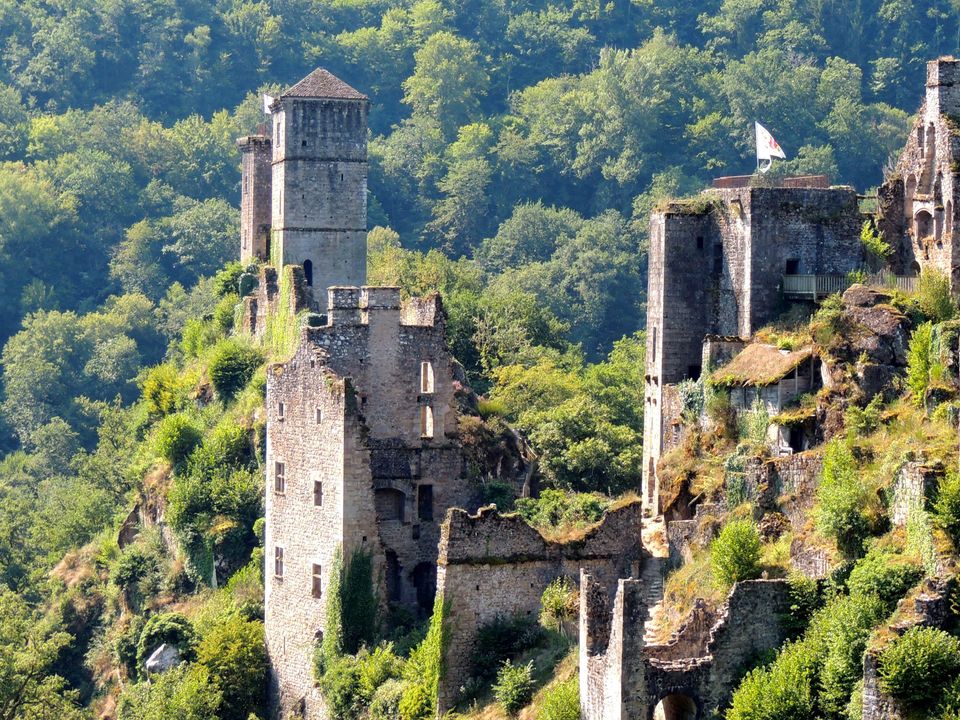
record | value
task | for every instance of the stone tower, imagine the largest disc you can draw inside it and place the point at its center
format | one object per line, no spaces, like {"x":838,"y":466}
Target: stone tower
{"x":319,"y":182}
{"x":255,"y":198}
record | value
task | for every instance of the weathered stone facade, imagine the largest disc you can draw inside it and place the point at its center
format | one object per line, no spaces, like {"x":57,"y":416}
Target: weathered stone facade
{"x":491,"y":565}
{"x":918,"y":199}
{"x":304,"y":190}
{"x":256,"y":198}
{"x":623,"y":678}
{"x":716,"y":268}
{"x":362,"y":452}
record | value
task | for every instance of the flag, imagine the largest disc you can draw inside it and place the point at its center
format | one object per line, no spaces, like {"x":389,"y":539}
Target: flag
{"x":767,"y":147}
{"x":268,"y":101}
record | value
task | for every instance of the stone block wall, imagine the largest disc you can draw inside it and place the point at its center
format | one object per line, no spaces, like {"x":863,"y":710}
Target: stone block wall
{"x":265,"y":302}
{"x":915,"y":484}
{"x":255,"y":198}
{"x":347,"y":411}
{"x":319,"y":188}
{"x":492,"y":565}
{"x":625,"y":679}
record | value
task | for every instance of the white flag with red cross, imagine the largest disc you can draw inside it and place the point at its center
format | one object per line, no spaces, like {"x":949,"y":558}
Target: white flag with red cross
{"x":767,"y":148}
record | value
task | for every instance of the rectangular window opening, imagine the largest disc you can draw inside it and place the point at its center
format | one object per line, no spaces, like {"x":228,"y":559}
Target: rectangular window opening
{"x":319,"y":416}
{"x":317,"y":580}
{"x":425,"y":502}
{"x":278,"y":561}
{"x":317,"y":493}
{"x":280,"y":410}
{"x":279,"y":479}
{"x":426,"y":421}
{"x":426,"y":377}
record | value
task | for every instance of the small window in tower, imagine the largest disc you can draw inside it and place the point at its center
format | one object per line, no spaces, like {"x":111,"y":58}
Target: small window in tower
{"x":426,"y":421}
{"x":317,"y":584}
{"x":341,"y":177}
{"x":303,"y":143}
{"x":308,"y":271}
{"x":280,"y":411}
{"x":653,"y":344}
{"x":793,"y":266}
{"x":317,"y":493}
{"x":426,"y":377}
{"x":279,"y":479}
{"x":319,"y":416}
{"x":278,"y":561}
{"x":425,"y":502}
{"x":699,"y":242}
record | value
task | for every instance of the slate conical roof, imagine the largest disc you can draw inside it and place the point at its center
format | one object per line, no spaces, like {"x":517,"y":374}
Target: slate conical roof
{"x":323,"y":84}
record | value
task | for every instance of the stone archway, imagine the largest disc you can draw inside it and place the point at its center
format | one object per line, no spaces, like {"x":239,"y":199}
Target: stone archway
{"x":676,"y":706}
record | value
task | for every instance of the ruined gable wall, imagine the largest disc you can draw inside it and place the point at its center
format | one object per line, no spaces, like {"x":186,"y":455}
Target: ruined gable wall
{"x":255,"y":197}
{"x":492,"y":566}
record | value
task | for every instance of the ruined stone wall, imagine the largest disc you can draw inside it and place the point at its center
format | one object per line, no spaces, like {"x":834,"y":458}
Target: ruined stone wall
{"x":918,"y":200}
{"x":492,"y":566}
{"x":351,"y":418}
{"x":265,"y":302}
{"x":320,"y":190}
{"x":623,"y":678}
{"x":255,"y":198}
{"x":915,"y":484}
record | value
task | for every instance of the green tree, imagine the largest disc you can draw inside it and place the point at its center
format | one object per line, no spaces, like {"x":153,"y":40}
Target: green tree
{"x":735,"y":553}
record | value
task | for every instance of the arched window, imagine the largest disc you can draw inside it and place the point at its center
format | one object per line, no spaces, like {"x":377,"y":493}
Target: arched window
{"x":426,"y":421}
{"x":676,"y":707}
{"x":308,"y":271}
{"x":924,"y":224}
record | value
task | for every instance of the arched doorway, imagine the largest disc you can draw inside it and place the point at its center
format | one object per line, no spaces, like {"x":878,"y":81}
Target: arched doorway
{"x":676,"y":707}
{"x":308,"y":271}
{"x":924,"y":224}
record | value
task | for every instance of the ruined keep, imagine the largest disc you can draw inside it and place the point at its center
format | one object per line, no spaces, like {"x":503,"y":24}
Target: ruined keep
{"x":304,"y":188}
{"x":918,"y":199}
{"x":717,"y":267}
{"x":362,"y":453}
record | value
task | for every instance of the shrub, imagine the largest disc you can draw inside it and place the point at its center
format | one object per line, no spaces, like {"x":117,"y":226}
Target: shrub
{"x":558,"y":604}
{"x":170,"y":628}
{"x":425,"y":667}
{"x":416,"y":702}
{"x":915,"y":667}
{"x":501,"y":639}
{"x":877,"y":248}
{"x":514,"y":686}
{"x":136,"y":572}
{"x":224,"y":313}
{"x":197,"y":336}
{"x":161,"y":389}
{"x":883,"y":575}
{"x":946,"y":508}
{"x":735,"y":553}
{"x":385,"y":704}
{"x":556,"y":508}
{"x":340,"y":686}
{"x":561,"y":701}
{"x":499,"y":493}
{"x":235,"y":654}
{"x":176,"y":438}
{"x":376,"y":668}
{"x":933,"y":296}
{"x":841,"y":500}
{"x":359,"y":603}
{"x":227,"y":280}
{"x":782,"y":691}
{"x":232,"y":364}
{"x":919,"y":363}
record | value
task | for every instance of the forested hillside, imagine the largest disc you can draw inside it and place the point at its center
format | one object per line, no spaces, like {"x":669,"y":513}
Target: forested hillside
{"x":516,"y":150}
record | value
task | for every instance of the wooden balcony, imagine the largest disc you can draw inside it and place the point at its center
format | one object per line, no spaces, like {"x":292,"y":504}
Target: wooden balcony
{"x":817,"y":287}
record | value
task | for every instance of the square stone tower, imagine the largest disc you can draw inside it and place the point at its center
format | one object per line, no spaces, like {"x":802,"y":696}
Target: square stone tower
{"x":362,"y":452}
{"x":319,"y":184}
{"x":255,"y":198}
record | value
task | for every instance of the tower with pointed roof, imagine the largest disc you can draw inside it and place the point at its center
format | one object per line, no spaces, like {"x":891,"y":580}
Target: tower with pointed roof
{"x":319,"y":182}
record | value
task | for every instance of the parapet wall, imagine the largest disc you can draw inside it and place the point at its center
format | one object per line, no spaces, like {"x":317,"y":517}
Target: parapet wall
{"x":492,"y":565}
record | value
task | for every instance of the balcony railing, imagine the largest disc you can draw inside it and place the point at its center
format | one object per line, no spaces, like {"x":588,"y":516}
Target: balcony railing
{"x":817,"y":287}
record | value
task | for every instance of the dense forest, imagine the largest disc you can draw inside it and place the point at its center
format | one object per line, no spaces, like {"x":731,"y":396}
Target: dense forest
{"x":516,"y":150}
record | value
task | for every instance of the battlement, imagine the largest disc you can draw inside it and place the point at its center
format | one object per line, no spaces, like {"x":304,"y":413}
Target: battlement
{"x":350,"y":306}
{"x":253,"y":142}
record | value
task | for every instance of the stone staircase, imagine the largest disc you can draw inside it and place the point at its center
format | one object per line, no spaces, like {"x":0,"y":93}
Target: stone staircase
{"x":654,"y":569}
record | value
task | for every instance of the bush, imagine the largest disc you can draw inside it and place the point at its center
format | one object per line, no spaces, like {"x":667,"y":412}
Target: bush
{"x":735,"y":553}
{"x":782,"y":691}
{"x":946,"y":508}
{"x":919,"y":363}
{"x":385,"y":704}
{"x":841,"y":500}
{"x":558,"y":604}
{"x":916,"y":667}
{"x":161,"y":389}
{"x":176,"y":438}
{"x":236,"y":657}
{"x":137,"y":573}
{"x":425,"y":667}
{"x":885,"y":576}
{"x":170,"y":628}
{"x":340,"y":686}
{"x":556,"y":508}
{"x":376,"y":668}
{"x":227,"y":281}
{"x":561,"y":701}
{"x":224,"y":314}
{"x":197,"y":336}
{"x":514,"y":686}
{"x":232,"y":365}
{"x":501,"y":639}
{"x":359,"y":602}
{"x":933,"y":296}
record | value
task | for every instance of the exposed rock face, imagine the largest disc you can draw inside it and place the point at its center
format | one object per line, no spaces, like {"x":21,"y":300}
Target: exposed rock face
{"x":165,"y":657}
